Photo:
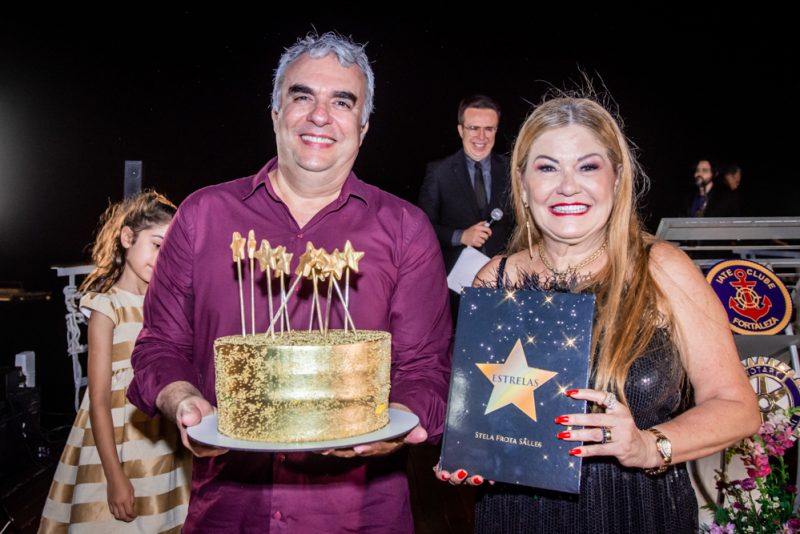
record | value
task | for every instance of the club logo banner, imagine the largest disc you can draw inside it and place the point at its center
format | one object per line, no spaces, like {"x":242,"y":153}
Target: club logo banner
{"x":756,"y":300}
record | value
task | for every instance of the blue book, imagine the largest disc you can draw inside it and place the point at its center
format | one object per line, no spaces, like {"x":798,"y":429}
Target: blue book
{"x":516,"y":354}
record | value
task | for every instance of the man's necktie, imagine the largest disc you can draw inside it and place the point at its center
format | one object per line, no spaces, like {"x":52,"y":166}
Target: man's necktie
{"x":480,"y":187}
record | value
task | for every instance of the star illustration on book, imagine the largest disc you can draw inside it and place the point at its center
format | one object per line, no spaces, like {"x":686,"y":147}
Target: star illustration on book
{"x":514,"y":382}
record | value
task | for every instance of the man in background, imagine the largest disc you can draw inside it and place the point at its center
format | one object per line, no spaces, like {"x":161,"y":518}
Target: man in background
{"x":461,"y":191}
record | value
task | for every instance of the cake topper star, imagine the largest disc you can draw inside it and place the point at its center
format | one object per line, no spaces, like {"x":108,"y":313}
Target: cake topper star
{"x":514,"y":382}
{"x":351,"y":256}
{"x":309,"y":267}
{"x":317,"y":274}
{"x":283,"y":261}
{"x":273,"y":258}
{"x":251,"y":244}
{"x":265,"y":262}
{"x":321,"y":262}
{"x":332,"y":267}
{"x":335,"y":264}
{"x":307,"y":261}
{"x":283,"y":267}
{"x":251,"y":253}
{"x":237,"y":247}
{"x":264,"y":256}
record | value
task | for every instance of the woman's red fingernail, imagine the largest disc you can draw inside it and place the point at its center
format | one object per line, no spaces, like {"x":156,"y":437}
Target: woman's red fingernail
{"x":477,"y":480}
{"x":575,"y":452}
{"x":443,"y":476}
{"x":461,"y":475}
{"x":563,"y":435}
{"x":562,"y":419}
{"x":571,"y":392}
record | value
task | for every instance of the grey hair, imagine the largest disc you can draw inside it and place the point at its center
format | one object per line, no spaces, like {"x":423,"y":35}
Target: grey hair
{"x":317,"y":46}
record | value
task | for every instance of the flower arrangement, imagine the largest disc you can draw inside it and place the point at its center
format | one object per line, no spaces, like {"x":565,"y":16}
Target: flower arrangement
{"x":764,"y":501}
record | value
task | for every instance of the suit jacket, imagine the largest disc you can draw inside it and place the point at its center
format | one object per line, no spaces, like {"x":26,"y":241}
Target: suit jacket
{"x":448,"y":198}
{"x":722,"y":202}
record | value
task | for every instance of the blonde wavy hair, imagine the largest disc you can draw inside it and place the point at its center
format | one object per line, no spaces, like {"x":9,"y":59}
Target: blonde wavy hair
{"x":627,"y":296}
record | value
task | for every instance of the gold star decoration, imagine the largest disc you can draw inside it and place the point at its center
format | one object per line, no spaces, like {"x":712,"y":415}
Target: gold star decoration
{"x":283,"y":261}
{"x":514,"y":382}
{"x":308,"y":261}
{"x":335,"y":264}
{"x":273,"y":257}
{"x":321,"y":261}
{"x":352,"y":257}
{"x":251,"y":244}
{"x":237,"y":246}
{"x":264,"y":255}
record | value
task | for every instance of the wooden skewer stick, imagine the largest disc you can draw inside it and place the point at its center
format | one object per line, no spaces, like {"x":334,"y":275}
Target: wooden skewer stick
{"x":265,"y":262}
{"x":269,"y":297}
{"x":313,"y":303}
{"x":251,"y":253}
{"x":285,"y":314}
{"x":346,"y":292}
{"x":328,"y":304}
{"x":286,"y":301}
{"x":237,"y":247}
{"x":346,"y":311}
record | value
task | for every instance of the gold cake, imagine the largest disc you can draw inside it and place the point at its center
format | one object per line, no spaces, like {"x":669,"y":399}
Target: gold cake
{"x":302,"y":386}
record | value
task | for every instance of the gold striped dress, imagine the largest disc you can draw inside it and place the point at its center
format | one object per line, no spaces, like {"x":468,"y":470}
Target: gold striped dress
{"x":77,"y":501}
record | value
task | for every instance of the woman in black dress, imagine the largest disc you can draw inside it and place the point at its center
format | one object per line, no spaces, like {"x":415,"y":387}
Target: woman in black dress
{"x":661,"y":339}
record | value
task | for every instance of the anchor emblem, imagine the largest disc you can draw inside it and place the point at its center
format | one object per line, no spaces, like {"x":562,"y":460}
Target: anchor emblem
{"x":747,"y":302}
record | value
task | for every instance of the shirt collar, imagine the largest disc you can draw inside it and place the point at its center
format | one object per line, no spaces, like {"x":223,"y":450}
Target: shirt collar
{"x":485,"y":162}
{"x":352,"y":185}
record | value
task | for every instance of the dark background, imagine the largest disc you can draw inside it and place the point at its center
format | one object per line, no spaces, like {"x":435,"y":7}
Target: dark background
{"x":188,"y":92}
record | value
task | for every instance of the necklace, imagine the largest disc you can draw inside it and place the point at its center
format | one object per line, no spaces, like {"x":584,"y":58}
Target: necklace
{"x":570,"y":271}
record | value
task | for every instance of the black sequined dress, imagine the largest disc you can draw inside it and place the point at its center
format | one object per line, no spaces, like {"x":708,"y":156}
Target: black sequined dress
{"x":613,"y":498}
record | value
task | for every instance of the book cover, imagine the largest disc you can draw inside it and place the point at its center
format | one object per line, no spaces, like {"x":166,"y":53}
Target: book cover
{"x":516,"y":354}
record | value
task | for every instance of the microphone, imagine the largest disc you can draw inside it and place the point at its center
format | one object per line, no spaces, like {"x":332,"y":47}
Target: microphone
{"x":701,"y":186}
{"x":495,"y":216}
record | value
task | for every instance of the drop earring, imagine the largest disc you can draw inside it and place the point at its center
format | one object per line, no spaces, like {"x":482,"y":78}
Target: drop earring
{"x":528,"y":227}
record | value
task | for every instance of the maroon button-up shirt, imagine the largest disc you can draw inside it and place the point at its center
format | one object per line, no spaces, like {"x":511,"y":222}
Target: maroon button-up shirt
{"x":193,"y":298}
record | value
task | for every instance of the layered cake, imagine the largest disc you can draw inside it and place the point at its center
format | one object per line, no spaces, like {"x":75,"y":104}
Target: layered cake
{"x":302,"y":386}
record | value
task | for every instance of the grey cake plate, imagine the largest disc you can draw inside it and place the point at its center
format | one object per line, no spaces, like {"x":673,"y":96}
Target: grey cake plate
{"x":400,"y":423}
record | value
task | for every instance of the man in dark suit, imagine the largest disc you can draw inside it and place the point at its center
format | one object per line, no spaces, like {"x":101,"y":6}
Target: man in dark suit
{"x":461,"y":190}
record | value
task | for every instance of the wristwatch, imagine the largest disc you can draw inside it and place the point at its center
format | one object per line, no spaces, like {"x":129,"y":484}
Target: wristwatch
{"x":664,"y":446}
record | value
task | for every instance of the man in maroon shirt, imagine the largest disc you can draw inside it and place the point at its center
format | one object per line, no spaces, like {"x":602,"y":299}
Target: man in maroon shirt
{"x":321,"y":103}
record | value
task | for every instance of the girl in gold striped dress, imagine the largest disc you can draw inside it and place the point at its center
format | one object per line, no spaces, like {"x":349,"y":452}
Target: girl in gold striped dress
{"x":120,"y":471}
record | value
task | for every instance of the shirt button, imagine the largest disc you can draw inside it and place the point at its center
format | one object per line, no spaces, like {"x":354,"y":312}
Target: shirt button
{"x":300,"y":236}
{"x":281,"y":457}
{"x":277,"y":516}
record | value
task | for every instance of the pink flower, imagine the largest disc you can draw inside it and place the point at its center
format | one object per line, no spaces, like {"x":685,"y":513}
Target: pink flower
{"x":759,"y":473}
{"x":716,"y":529}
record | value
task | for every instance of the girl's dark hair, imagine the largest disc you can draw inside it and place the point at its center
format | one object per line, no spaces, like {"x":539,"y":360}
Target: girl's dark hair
{"x":138,"y":213}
